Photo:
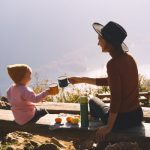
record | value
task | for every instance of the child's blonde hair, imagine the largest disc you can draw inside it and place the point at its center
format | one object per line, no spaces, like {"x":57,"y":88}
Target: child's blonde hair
{"x":17,"y":71}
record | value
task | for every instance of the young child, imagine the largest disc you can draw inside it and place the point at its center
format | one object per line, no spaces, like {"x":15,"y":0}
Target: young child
{"x":21,"y":97}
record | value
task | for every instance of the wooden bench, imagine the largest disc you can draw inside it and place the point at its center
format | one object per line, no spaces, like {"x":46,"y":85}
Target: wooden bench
{"x":143,"y":98}
{"x":42,"y":126}
{"x":74,"y":108}
{"x":6,"y":119}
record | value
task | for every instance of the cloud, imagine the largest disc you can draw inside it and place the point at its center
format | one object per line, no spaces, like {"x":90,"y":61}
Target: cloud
{"x":86,"y":60}
{"x":72,"y":63}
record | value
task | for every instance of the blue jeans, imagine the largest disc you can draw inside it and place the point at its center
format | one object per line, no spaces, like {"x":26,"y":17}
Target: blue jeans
{"x":98,"y":109}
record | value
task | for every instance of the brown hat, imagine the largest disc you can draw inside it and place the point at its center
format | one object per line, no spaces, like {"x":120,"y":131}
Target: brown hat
{"x":17,"y":71}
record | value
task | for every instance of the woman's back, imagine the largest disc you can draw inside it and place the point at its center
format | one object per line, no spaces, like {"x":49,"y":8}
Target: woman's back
{"x":127,"y":72}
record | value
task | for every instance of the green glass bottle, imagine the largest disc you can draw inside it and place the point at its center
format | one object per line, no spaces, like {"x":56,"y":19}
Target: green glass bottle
{"x":84,"y":111}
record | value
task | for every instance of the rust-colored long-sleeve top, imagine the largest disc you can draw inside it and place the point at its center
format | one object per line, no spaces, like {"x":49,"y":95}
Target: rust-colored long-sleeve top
{"x":123,"y":82}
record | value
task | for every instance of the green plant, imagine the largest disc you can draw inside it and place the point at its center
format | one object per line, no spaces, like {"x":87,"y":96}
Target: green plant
{"x":73,"y":92}
{"x":144,"y":84}
{"x":39,"y":85}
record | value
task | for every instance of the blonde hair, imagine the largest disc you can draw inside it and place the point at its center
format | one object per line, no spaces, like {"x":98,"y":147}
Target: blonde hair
{"x":18,"y":71}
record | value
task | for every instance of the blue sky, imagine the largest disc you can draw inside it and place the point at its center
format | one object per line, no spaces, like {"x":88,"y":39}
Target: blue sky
{"x":55,"y":37}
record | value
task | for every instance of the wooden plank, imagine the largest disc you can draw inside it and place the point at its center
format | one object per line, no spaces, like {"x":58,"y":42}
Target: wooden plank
{"x":54,"y":108}
{"x":143,"y":97}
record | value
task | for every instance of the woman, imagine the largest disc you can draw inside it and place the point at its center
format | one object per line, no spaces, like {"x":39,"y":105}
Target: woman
{"x":124,"y":111}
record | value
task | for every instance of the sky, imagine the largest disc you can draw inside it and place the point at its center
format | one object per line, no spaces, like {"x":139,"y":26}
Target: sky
{"x":55,"y":37}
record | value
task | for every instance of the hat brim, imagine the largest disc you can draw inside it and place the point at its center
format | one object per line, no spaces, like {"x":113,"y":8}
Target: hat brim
{"x":98,"y":27}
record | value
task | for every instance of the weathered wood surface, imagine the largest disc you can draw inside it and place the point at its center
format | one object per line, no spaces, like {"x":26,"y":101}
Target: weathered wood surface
{"x":54,"y":107}
{"x":7,"y":117}
{"x":72,"y":108}
{"x":44,"y":125}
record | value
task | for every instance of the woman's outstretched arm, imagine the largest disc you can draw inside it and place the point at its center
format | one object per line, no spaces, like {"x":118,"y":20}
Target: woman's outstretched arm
{"x":94,"y":81}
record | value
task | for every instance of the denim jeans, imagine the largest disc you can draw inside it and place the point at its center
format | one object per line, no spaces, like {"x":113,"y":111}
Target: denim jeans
{"x":99,"y":110}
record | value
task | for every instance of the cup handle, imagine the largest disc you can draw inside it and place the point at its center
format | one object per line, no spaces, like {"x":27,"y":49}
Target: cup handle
{"x":69,"y":83}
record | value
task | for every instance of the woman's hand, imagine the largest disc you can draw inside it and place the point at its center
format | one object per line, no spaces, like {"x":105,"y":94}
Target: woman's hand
{"x":102,"y":132}
{"x":75,"y":80}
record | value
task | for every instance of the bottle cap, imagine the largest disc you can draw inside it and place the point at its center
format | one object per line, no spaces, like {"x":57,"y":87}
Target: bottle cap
{"x":83,"y":99}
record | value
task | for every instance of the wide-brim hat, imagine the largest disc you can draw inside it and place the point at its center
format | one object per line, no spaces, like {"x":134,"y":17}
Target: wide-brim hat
{"x":112,"y":33}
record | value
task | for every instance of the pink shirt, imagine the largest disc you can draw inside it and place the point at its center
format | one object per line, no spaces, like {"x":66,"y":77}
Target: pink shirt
{"x":22,"y":101}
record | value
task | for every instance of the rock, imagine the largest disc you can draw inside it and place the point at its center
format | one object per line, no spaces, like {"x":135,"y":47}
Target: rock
{"x":13,"y":138}
{"x":56,"y":142}
{"x":35,"y":144}
{"x":88,"y":144}
{"x":10,"y":139}
{"x":4,"y":104}
{"x":123,"y":146}
{"x":4,"y":99}
{"x":47,"y":141}
{"x":24,"y":134}
{"x":10,"y":148}
{"x":28,"y":146}
{"x":48,"y":147}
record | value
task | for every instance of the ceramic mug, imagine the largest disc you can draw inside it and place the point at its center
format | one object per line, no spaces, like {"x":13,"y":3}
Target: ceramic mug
{"x":63,"y":81}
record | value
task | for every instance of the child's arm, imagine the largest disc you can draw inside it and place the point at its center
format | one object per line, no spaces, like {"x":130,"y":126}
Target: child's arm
{"x":30,"y":95}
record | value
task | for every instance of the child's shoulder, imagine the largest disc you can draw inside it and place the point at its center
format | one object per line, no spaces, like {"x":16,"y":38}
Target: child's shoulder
{"x":24,"y":88}
{"x":10,"y":87}
{"x":18,"y":87}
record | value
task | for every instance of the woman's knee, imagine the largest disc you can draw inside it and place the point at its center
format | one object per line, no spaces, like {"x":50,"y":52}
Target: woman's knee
{"x":95,"y":101}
